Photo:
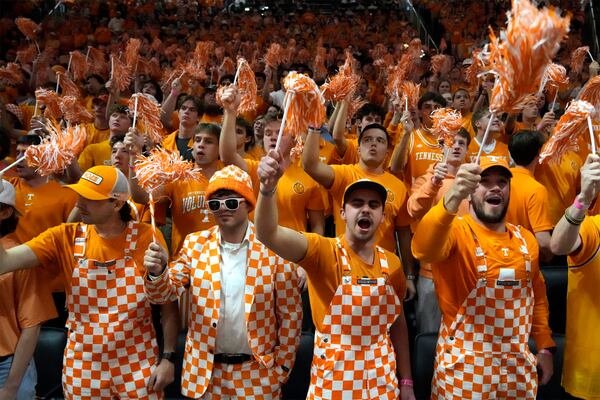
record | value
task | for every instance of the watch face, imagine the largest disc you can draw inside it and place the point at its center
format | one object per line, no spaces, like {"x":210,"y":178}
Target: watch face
{"x":168,"y":356}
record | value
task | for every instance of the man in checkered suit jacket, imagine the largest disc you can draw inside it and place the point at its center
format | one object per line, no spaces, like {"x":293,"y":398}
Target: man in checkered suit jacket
{"x":245,"y":312}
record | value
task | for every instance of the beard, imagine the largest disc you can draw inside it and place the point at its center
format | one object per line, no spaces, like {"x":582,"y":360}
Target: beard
{"x":493,"y":217}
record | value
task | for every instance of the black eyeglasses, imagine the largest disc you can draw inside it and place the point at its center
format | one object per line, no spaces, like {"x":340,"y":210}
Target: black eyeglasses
{"x":230,"y":204}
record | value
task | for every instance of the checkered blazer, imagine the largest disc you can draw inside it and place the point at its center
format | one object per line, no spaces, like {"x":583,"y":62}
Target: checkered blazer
{"x":273,"y":307}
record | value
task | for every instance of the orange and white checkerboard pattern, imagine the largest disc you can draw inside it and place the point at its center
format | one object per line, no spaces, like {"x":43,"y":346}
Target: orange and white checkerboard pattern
{"x":272,"y":306}
{"x":484,"y":353}
{"x":111,"y":351}
{"x":249,"y":380}
{"x":353,"y":356}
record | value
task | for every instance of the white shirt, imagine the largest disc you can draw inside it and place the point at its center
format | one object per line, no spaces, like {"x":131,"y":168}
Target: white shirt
{"x":232,"y":335}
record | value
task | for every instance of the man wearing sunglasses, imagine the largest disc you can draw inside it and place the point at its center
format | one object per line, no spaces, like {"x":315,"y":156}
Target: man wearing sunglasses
{"x":245,"y":308}
{"x":355,"y":289}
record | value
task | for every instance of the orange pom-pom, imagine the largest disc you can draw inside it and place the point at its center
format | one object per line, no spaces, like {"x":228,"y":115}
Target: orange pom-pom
{"x":305,"y":104}
{"x":438,"y":63}
{"x":132,"y":51}
{"x":446,"y":123}
{"x":197,"y":65}
{"x":148,"y":113}
{"x":78,"y":66}
{"x":27,"y":27}
{"x":343,"y":84}
{"x":51,"y":101}
{"x":533,"y":35}
{"x":12,"y":74}
{"x":578,"y":58}
{"x":591,"y":91}
{"x":162,"y":166}
{"x":228,"y":66}
{"x":555,"y":76}
{"x":567,"y":131}
{"x":27,"y":55}
{"x":410,"y":93}
{"x":120,"y":74}
{"x":96,"y":62}
{"x":67,"y":86}
{"x":246,"y":83}
{"x":274,"y":56}
{"x":73,"y":111}
{"x":355,"y":105}
{"x":296,"y":151}
{"x":319,"y":64}
{"x":480,"y":64}
{"x":57,"y":150}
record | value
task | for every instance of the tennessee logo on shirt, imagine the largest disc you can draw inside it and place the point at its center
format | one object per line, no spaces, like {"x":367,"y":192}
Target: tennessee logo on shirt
{"x":193,"y":202}
{"x":429,"y":156}
{"x":390,"y":196}
{"x":298,"y":187}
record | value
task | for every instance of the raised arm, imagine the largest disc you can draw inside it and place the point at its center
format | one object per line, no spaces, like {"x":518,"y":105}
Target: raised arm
{"x":168,"y":106}
{"x":227,"y":142}
{"x":565,"y":238}
{"x":400,"y":154}
{"x":339,"y":128}
{"x":312,"y":164}
{"x":286,"y":242}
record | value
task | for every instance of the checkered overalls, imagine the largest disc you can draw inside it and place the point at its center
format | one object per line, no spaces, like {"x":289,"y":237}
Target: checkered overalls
{"x":111,"y":351}
{"x":353,"y":356}
{"x":484,"y":353}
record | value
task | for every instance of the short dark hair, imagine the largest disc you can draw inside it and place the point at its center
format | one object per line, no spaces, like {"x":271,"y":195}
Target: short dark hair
{"x":270,"y":118}
{"x":431,"y":96}
{"x":159,"y":94}
{"x":9,"y":225}
{"x":213,"y":129}
{"x":524,"y":146}
{"x":4,"y":144}
{"x":370,"y":108}
{"x":461,"y":90}
{"x":116,"y":139}
{"x":29,"y":140}
{"x":197,"y":103}
{"x":120,"y":109}
{"x":374,"y":126}
{"x":239,"y":121}
{"x":465,"y":134}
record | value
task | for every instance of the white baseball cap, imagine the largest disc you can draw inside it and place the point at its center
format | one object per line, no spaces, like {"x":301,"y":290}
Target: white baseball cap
{"x":8,"y":194}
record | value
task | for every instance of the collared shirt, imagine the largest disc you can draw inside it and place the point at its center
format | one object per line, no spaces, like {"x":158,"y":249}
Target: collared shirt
{"x":232,"y":334}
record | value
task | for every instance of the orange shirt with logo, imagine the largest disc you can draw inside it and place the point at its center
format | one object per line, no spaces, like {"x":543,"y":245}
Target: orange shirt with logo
{"x":95,"y":154}
{"x":447,"y":242}
{"x":324,"y":271}
{"x":423,"y":151}
{"x":494,"y":149}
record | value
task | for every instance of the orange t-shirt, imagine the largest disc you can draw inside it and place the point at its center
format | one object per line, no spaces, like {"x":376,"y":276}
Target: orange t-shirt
{"x":562,"y":181}
{"x":324,"y":271}
{"x":396,"y":214}
{"x":528,"y":204}
{"x":188,"y":208}
{"x":297,"y":193}
{"x":54,"y":248}
{"x":467,"y":123}
{"x":212,"y":119}
{"x":496,"y":148}
{"x":255,"y":153}
{"x":24,"y":303}
{"x":170,"y":142}
{"x":423,"y":150}
{"x":447,"y":242}
{"x":95,"y":135}
{"x":95,"y":154}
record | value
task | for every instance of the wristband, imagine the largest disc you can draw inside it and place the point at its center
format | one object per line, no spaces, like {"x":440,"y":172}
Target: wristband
{"x":545,"y":351}
{"x":573,"y":221}
{"x":268,"y":193}
{"x":406,"y":382}
{"x":410,"y":277}
{"x":313,"y":129}
{"x":579,"y":205}
{"x":175,"y":92}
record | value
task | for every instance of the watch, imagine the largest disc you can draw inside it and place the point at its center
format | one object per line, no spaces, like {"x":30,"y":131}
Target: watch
{"x":169,"y":356}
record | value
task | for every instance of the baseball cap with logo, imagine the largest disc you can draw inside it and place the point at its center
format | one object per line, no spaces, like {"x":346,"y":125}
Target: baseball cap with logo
{"x":101,"y":183}
{"x":235,"y":179}
{"x":365,"y":184}
{"x":487,"y":162}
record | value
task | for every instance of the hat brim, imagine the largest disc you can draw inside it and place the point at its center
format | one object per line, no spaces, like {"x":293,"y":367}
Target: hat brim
{"x":369,"y":185}
{"x":86,"y":192}
{"x":502,"y":168}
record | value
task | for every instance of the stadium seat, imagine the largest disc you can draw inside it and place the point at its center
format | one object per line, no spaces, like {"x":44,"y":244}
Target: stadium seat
{"x":48,"y":358}
{"x":556,"y":278}
{"x":297,"y":385}
{"x":424,"y":357}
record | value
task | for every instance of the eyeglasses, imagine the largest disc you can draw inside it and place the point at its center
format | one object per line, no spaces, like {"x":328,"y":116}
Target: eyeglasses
{"x":230,"y":204}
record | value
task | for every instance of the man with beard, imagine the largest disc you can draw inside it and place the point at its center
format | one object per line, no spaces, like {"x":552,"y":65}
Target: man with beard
{"x":355,"y":287}
{"x":212,"y":111}
{"x":490,"y":290}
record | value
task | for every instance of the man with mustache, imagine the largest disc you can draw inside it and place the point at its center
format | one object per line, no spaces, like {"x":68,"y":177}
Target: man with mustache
{"x":355,"y":289}
{"x":490,"y":290}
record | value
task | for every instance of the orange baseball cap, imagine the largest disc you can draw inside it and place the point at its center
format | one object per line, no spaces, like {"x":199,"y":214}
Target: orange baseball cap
{"x":487,"y":162}
{"x":101,"y":183}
